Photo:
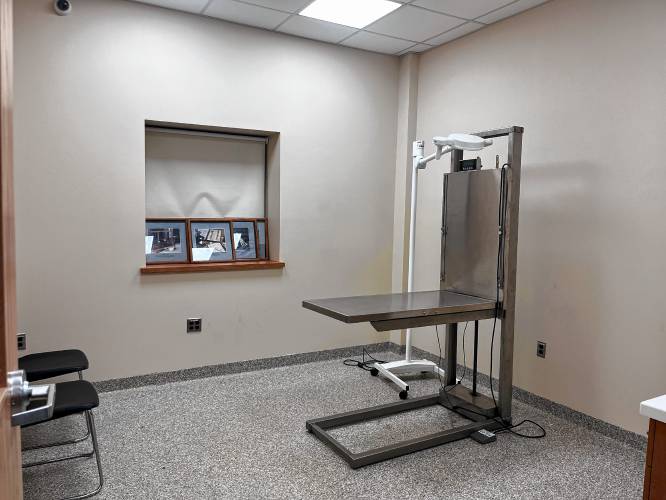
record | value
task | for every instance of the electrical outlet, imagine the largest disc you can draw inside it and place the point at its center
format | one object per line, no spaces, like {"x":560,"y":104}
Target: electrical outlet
{"x":21,"y":341}
{"x":541,"y":349}
{"x":193,"y":325}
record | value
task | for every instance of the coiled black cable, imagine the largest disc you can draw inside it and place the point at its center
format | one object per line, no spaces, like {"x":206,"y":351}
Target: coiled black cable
{"x":363,"y":364}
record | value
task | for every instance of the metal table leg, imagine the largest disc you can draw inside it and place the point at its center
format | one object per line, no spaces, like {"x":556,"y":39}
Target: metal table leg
{"x":320,"y":427}
{"x":476,"y":357}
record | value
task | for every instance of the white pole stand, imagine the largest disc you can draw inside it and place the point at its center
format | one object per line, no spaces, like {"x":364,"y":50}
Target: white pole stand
{"x":408,"y":365}
{"x":391,"y":370}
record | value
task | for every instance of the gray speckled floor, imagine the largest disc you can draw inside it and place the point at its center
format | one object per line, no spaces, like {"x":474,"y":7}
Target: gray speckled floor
{"x":243,"y":436}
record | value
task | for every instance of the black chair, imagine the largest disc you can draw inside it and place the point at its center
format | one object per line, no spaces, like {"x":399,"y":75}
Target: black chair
{"x":77,"y":396}
{"x":42,"y":365}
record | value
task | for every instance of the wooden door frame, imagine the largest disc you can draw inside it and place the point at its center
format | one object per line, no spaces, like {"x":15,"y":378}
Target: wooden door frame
{"x":11,"y":485}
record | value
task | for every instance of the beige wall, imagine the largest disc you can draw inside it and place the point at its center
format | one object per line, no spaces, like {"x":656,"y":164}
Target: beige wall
{"x":587,"y":80}
{"x":85,"y":83}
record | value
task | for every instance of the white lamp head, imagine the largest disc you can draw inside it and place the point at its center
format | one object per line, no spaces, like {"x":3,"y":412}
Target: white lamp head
{"x":466,"y":142}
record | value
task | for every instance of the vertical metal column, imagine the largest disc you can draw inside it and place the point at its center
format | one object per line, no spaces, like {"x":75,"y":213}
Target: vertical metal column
{"x":475,"y":370}
{"x":508,"y":313}
{"x":452,"y":329}
{"x":451,"y":353}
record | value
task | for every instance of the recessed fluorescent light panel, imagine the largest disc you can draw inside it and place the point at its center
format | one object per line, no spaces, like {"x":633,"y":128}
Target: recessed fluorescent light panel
{"x":354,"y":13}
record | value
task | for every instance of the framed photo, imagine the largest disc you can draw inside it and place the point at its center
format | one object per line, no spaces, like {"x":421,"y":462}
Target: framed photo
{"x":211,"y":241}
{"x":166,"y":241}
{"x":262,"y":240}
{"x":245,"y":241}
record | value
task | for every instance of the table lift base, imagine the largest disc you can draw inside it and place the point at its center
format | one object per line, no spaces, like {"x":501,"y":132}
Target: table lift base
{"x":320,"y":427}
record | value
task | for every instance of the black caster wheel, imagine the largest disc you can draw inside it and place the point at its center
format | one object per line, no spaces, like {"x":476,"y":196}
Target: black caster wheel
{"x":403,"y":394}
{"x":374,"y":372}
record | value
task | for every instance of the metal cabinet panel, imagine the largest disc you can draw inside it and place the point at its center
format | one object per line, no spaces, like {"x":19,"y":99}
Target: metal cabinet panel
{"x":470,"y":224}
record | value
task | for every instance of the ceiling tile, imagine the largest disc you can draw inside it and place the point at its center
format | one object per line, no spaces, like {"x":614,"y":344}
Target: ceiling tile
{"x":288,"y":5}
{"x":419,"y":47}
{"x":412,"y":23}
{"x":469,"y":9}
{"x":245,"y":14}
{"x":376,"y":43}
{"x":455,"y":33}
{"x":195,"y":6}
{"x":510,"y":10}
{"x":314,"y":28}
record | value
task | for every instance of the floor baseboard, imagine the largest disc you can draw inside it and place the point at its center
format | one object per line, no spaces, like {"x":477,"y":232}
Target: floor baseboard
{"x":118,"y":384}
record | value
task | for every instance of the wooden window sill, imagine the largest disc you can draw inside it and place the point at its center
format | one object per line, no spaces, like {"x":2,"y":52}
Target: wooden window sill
{"x":211,"y":266}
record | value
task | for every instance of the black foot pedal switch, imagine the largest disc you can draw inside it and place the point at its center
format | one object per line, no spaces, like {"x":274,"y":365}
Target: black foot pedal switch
{"x":483,"y":436}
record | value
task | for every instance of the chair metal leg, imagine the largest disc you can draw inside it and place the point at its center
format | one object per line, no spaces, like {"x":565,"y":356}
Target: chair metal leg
{"x":90,"y":421}
{"x":87,"y":454}
{"x":91,"y":424}
{"x":61,"y":443}
{"x":98,"y":459}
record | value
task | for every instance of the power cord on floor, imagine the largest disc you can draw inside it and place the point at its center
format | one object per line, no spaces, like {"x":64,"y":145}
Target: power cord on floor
{"x":363,"y":364}
{"x":509,"y":428}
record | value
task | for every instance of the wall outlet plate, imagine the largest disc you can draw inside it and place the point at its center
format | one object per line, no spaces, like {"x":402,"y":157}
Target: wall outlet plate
{"x":193,"y":325}
{"x":541,"y":349}
{"x":21,"y":341}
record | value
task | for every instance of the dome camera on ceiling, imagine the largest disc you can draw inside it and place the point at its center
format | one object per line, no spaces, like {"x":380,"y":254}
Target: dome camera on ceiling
{"x":62,"y":7}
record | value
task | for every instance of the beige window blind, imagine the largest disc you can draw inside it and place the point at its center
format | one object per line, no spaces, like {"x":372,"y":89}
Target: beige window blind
{"x":200,"y":174}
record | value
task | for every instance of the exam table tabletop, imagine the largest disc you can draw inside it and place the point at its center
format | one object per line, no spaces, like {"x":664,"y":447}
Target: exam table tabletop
{"x":398,"y":305}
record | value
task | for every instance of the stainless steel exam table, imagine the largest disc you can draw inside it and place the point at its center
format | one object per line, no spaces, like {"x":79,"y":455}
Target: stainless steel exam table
{"x":477,"y":282}
{"x":409,"y":310}
{"x":402,"y":310}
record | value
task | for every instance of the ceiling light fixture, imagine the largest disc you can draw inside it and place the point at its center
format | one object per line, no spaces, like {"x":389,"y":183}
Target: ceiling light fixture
{"x":354,"y":13}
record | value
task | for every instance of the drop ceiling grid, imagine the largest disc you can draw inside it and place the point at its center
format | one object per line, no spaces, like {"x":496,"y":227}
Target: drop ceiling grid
{"x":428,"y":22}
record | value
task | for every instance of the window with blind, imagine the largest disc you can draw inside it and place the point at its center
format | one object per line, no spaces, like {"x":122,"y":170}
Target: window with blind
{"x":206,"y":201}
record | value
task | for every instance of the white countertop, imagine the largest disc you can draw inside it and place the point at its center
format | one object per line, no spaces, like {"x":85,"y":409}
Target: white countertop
{"x":655,"y":408}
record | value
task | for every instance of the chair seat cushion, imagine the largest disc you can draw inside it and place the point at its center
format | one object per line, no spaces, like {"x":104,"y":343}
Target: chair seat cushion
{"x":43,"y":365}
{"x":74,"y":397}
